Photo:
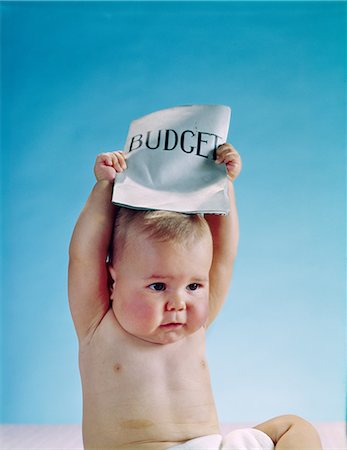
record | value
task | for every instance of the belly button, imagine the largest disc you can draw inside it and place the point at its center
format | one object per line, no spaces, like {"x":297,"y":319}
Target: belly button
{"x":116,"y":368}
{"x":203,"y":363}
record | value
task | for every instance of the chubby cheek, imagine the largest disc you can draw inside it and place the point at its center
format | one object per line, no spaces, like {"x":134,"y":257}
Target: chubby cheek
{"x":198,"y":315}
{"x":137,"y":316}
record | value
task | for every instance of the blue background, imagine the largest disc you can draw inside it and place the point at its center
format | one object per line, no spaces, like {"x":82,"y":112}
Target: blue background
{"x":73,"y":77}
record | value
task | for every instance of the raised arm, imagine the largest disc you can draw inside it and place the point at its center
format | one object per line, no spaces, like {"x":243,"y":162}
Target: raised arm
{"x":225,"y":235}
{"x":88,"y":274}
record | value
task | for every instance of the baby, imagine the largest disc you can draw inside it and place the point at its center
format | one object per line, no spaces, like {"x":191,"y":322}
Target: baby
{"x":143,"y":288}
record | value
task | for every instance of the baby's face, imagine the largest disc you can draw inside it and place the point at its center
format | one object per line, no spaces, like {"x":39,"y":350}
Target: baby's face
{"x":161,"y":289}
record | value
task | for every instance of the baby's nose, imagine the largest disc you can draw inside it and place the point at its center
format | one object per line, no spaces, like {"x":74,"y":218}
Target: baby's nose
{"x":176,"y":304}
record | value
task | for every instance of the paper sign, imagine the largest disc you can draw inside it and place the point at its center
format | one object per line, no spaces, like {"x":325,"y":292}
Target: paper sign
{"x":170,"y":157}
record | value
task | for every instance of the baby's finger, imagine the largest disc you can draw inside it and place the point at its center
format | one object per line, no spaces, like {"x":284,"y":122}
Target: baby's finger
{"x":116,"y":163}
{"x":232,"y":159}
{"x":223,"y":155}
{"x":224,"y":146}
{"x":104,"y":158}
{"x":224,"y":150}
{"x":121,"y":159}
{"x":232,"y":170}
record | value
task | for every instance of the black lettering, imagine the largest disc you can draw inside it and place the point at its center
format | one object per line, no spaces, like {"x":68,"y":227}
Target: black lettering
{"x":216,"y":145}
{"x":138,"y":140}
{"x":200,"y":133}
{"x":148,"y":137}
{"x":167,"y":140}
{"x":182,"y":141}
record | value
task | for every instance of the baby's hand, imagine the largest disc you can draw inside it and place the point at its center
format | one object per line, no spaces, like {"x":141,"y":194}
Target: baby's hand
{"x":227,"y":154}
{"x":108,"y":164}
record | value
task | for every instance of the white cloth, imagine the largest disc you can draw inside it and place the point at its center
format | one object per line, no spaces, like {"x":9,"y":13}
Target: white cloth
{"x":244,"y":439}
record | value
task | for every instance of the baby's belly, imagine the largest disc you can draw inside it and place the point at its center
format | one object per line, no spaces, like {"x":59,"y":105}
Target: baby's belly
{"x":135,"y":419}
{"x":149,"y":403}
{"x":141,"y":423}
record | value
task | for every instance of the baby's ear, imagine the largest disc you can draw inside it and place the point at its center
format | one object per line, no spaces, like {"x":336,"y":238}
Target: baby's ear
{"x":111,"y":278}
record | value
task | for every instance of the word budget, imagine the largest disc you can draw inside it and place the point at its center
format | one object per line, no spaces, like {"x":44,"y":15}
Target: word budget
{"x":200,"y":143}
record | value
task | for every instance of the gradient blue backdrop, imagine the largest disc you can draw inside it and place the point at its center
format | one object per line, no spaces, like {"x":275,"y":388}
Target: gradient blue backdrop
{"x":73,"y":77}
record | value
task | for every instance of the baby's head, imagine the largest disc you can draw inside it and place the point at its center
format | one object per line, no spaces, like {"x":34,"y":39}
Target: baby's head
{"x":160,"y":264}
{"x":161,"y":226}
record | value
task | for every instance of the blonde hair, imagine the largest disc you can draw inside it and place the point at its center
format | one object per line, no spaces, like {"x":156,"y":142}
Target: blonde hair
{"x":162,"y":226}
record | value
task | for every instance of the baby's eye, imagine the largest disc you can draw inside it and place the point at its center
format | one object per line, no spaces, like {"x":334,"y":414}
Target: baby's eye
{"x":157,"y":286}
{"x":193,"y":286}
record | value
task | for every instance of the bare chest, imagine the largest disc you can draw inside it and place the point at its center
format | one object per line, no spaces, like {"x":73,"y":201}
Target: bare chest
{"x":119,"y":370}
{"x":135,"y":391}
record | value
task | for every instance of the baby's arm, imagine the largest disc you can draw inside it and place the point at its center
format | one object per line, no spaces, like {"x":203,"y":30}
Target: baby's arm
{"x":88,"y":275}
{"x":291,"y":433}
{"x":225,"y":235}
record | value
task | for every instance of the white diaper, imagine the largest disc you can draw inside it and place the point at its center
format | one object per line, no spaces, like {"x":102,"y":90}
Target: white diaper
{"x":244,"y":439}
{"x":247,"y":439}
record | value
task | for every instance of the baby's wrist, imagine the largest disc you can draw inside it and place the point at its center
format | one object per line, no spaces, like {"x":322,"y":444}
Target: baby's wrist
{"x":103,"y":186}
{"x":103,"y":182}
{"x":104,"y":178}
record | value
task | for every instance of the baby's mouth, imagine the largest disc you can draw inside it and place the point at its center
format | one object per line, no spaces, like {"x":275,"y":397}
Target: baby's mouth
{"x":172,"y":325}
